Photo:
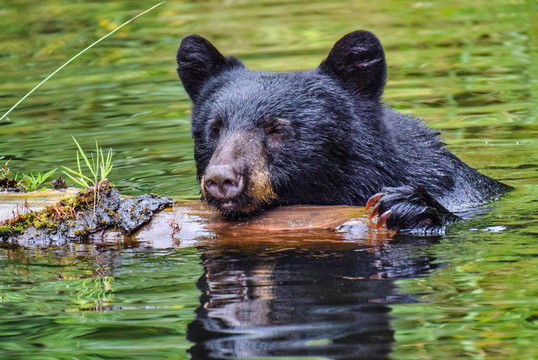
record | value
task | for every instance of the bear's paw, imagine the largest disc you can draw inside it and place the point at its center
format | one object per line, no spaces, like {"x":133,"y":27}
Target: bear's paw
{"x":410,"y":210}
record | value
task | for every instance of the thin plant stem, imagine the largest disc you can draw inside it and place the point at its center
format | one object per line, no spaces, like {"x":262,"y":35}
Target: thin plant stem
{"x":76,"y":56}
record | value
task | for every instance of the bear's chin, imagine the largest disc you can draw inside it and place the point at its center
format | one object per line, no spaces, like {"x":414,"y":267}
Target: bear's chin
{"x":231,"y":210}
{"x":237,"y":215}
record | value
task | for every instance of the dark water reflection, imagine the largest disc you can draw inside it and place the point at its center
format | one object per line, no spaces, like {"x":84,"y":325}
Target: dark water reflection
{"x":319,"y":301}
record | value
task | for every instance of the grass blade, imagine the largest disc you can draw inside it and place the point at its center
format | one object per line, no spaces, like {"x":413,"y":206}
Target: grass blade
{"x":47,"y":175}
{"x":81,"y":152}
{"x":83,"y":184}
{"x":105,"y":165}
{"x":81,"y":175}
{"x":74,"y":57}
{"x":82,"y":180}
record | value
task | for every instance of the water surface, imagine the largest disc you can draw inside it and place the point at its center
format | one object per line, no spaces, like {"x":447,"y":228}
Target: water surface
{"x":466,"y":67}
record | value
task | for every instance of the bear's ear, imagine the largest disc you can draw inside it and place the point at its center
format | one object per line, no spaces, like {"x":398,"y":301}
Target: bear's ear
{"x":198,"y":61}
{"x":358,"y":61}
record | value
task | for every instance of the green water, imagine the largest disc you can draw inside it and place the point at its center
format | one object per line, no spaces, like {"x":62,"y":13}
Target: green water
{"x":467,"y":67}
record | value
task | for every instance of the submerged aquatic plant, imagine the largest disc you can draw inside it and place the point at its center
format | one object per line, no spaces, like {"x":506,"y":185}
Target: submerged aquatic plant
{"x":99,"y":167}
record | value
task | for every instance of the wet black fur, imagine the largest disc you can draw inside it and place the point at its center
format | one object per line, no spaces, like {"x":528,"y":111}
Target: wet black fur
{"x":343,"y":144}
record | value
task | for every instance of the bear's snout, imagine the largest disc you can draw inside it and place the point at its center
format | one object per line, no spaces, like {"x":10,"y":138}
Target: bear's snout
{"x":223,"y":182}
{"x":236,"y":180}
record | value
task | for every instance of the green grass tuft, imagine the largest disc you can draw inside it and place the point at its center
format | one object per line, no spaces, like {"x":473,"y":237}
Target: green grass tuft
{"x":31,"y":182}
{"x":99,"y":167}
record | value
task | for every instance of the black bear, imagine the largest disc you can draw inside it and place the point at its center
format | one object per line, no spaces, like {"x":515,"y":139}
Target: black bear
{"x":320,"y":136}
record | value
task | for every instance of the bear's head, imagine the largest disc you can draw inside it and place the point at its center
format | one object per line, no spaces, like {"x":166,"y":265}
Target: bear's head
{"x":263,"y":139}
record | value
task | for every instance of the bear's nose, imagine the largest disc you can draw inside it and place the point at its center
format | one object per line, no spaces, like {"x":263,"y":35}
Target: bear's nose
{"x":222,"y":182}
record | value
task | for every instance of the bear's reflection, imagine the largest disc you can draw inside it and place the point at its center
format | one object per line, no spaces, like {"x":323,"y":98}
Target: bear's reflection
{"x":327,"y":301}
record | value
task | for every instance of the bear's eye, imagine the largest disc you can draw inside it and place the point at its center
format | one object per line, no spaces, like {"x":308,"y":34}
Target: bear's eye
{"x":277,"y":130}
{"x":214,"y":127}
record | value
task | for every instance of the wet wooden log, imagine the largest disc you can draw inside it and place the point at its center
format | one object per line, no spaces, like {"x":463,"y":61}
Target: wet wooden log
{"x":190,"y":223}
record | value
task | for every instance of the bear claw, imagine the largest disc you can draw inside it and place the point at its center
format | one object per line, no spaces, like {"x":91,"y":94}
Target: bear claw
{"x":382,"y":220}
{"x":374,"y":200}
{"x":374,"y":203}
{"x":374,"y":212}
